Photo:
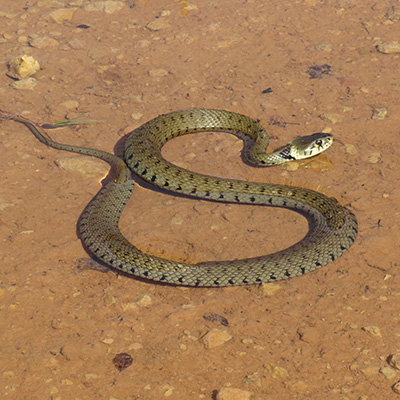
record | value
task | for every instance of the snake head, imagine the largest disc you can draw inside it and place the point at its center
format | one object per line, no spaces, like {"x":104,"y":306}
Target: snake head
{"x":309,"y":146}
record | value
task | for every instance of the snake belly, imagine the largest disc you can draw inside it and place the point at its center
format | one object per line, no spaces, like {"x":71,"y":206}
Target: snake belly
{"x":332,"y":227}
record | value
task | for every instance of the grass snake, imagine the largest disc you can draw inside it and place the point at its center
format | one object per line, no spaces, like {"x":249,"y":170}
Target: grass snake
{"x":332,"y":227}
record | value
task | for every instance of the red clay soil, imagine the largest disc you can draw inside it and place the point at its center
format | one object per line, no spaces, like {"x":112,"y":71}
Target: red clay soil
{"x":298,"y":66}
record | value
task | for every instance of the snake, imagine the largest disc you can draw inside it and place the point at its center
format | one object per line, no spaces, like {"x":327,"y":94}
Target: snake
{"x":332,"y":227}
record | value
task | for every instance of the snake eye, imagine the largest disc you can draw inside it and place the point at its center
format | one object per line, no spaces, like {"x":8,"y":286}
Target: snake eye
{"x":318,"y":142}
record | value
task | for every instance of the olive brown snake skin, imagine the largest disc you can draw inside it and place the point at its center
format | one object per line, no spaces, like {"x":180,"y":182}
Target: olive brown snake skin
{"x":332,"y":227}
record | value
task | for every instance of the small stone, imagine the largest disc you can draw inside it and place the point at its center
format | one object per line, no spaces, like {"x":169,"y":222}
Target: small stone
{"x":387,"y":372}
{"x":234,"y":394}
{"x":396,"y":387}
{"x":333,"y":118}
{"x":52,"y":390}
{"x":23,"y":67}
{"x":372,"y":330}
{"x":87,"y":167}
{"x":129,"y":306}
{"x":292,"y":166}
{"x":389,"y":47}
{"x":351,"y":149}
{"x":61,"y":15}
{"x":324,"y":47}
{"x":49,"y":3}
{"x":144,"y":301}
{"x":108,"y":299}
{"x":394,"y":361}
{"x":379,"y":113}
{"x":158,"y":24}
{"x":135,"y":346}
{"x":229,"y":41}
{"x":371,"y":370}
{"x":67,"y":382}
{"x":299,"y":386}
{"x":70,"y":104}
{"x":253,"y":379}
{"x":43,"y":42}
{"x":25,"y":84}
{"x":108,"y":7}
{"x":91,"y":375}
{"x":158,"y":72}
{"x":276,"y":372}
{"x":122,"y":361}
{"x":215,"y":338}
{"x":374,"y":158}
{"x":58,"y":323}
{"x":269,"y":289}
{"x":168,"y":390}
{"x":76,"y":44}
{"x":137,"y":115}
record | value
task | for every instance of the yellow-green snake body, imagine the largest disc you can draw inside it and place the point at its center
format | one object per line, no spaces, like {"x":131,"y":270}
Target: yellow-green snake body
{"x":332,"y":227}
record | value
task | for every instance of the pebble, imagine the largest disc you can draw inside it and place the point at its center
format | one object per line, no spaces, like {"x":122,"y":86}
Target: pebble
{"x":158,"y":24}
{"x":108,"y":299}
{"x":23,"y":67}
{"x":276,"y":372}
{"x":387,"y":372}
{"x":324,"y":47}
{"x":49,"y":3}
{"x":331,"y":117}
{"x":70,"y":104}
{"x":108,"y":7}
{"x":77,"y":44}
{"x":351,"y":149}
{"x":253,"y":379}
{"x":374,"y":158}
{"x":91,"y":375}
{"x":122,"y":361}
{"x":215,"y":338}
{"x":158,"y":72}
{"x":389,"y":47}
{"x":136,"y":116}
{"x":370,"y":370}
{"x":42,"y":42}
{"x":379,"y":113}
{"x":292,"y":166}
{"x":394,"y":361}
{"x":144,"y":301}
{"x":86,"y":167}
{"x":299,"y":386}
{"x":233,"y":394}
{"x":372,"y":330}
{"x":25,"y":84}
{"x":61,"y":15}
{"x":168,"y":390}
{"x":396,"y":387}
{"x":229,"y":41}
{"x":269,"y":289}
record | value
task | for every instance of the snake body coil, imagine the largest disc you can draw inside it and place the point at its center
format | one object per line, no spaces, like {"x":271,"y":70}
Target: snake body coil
{"x":333,"y":228}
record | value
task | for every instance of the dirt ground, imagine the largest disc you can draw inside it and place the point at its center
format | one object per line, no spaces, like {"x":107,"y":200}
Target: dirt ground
{"x":298,"y":66}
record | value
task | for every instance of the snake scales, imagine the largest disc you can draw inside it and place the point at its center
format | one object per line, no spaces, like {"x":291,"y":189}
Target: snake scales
{"x":332,"y":227}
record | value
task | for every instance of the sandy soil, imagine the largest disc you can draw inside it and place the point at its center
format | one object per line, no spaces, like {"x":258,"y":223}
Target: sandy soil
{"x":326,"y":335}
